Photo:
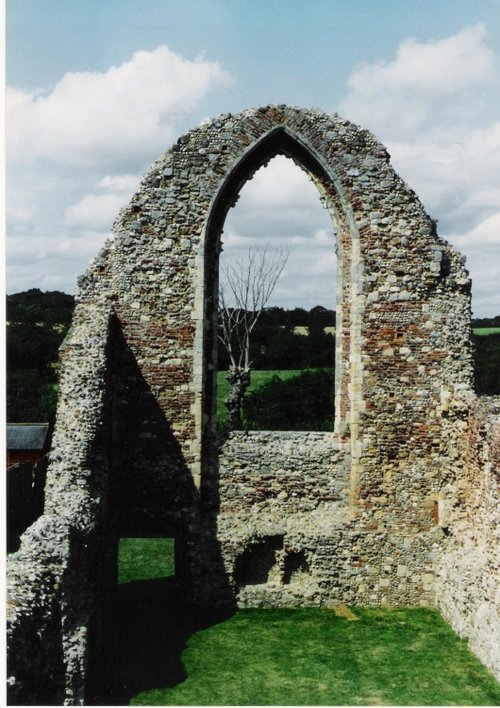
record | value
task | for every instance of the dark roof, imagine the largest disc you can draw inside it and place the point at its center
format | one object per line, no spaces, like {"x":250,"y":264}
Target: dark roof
{"x":26,"y":436}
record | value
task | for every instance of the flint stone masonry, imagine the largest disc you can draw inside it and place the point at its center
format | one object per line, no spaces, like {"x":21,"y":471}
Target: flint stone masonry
{"x":295,"y":486}
{"x":396,"y":506}
{"x":468,"y":569}
{"x":280,"y":472}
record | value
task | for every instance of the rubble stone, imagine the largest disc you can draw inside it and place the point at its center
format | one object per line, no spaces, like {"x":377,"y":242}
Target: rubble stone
{"x":396,"y":507}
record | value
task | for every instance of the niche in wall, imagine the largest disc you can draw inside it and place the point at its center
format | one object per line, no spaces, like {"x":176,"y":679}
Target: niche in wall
{"x":256,"y":564}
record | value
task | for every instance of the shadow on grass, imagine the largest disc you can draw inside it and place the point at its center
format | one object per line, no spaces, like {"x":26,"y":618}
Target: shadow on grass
{"x":149,"y":627}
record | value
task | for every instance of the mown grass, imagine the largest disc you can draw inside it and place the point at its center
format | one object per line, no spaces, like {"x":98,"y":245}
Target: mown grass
{"x":313,"y":657}
{"x":145,"y":559}
{"x":181,"y":656}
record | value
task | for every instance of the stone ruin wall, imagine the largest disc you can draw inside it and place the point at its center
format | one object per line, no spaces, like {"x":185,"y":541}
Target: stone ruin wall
{"x":373,"y":514}
{"x":291,"y":490}
{"x":58,"y":581}
{"x":468,"y":565}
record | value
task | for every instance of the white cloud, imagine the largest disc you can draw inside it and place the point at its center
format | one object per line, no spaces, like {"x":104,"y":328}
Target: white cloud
{"x":95,"y":211}
{"x":280,"y":206}
{"x":434,"y":107}
{"x":123,"y":183}
{"x":282,"y":184}
{"x":109,"y":118}
{"x":75,"y":155}
{"x":443,"y":80}
{"x":280,"y":201}
{"x":20,"y":214}
{"x":486,"y":233}
{"x":432,"y":68}
{"x":455,"y":172}
{"x":98,"y":211}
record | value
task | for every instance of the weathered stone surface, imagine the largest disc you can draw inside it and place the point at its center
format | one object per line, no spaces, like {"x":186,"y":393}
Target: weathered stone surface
{"x":397,"y":506}
{"x":468,"y":566}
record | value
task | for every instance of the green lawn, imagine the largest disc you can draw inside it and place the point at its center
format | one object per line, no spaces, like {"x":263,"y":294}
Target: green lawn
{"x":313,"y":657}
{"x":167,"y":653}
{"x":145,"y":559}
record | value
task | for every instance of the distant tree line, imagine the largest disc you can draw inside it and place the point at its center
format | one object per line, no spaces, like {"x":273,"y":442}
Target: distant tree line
{"x":486,"y":321}
{"x":487,"y":364}
{"x":37,"y":323}
{"x":317,"y":317}
{"x":487,"y":358}
{"x":290,"y":339}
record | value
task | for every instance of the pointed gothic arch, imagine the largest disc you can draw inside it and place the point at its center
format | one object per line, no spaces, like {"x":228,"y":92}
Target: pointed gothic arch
{"x":160,"y":272}
{"x":278,"y":141}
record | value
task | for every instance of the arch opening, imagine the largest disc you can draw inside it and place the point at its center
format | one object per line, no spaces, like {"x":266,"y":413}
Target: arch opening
{"x":277,"y":142}
{"x":279,"y":220}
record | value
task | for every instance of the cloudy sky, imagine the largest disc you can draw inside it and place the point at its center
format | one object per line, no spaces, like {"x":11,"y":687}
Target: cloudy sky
{"x":98,"y":89}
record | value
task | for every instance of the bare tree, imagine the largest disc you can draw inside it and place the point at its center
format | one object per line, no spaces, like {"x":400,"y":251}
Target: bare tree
{"x":246,"y":286}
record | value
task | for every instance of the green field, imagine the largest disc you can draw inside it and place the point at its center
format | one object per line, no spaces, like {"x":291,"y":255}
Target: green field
{"x":165,"y":652}
{"x":484,"y":331}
